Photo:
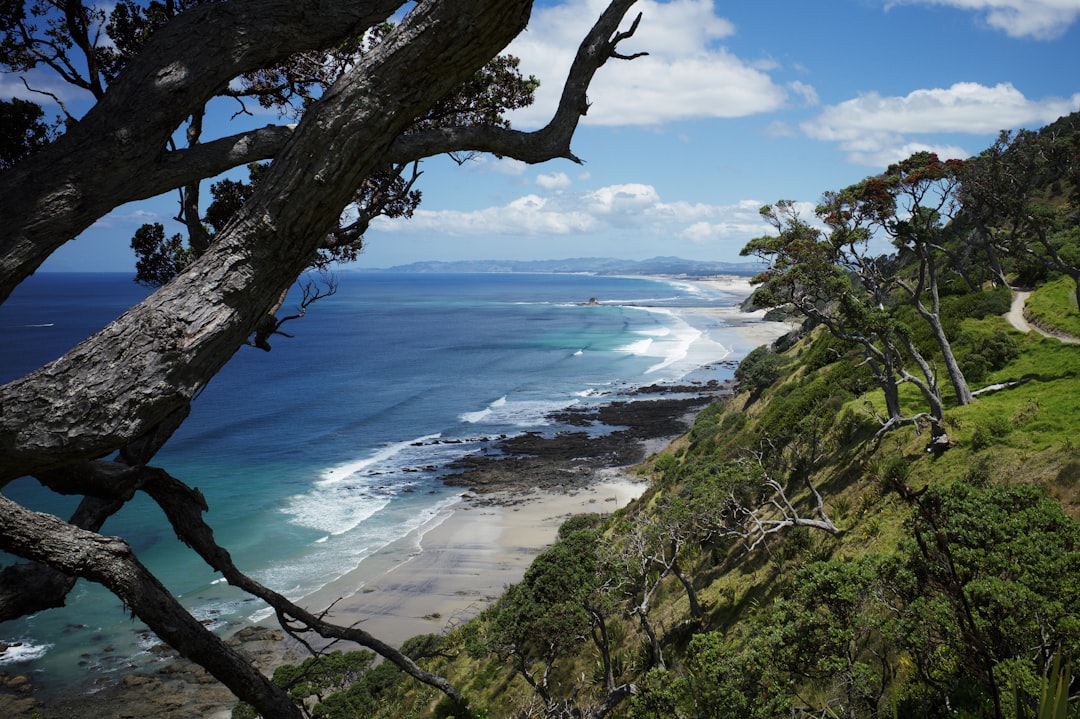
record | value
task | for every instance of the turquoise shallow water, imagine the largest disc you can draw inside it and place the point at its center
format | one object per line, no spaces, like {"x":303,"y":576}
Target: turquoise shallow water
{"x":317,"y":454}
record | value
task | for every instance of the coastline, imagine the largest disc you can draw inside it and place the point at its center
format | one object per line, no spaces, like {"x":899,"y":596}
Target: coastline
{"x":433,"y":579}
{"x":460,"y":562}
{"x":441,"y":576}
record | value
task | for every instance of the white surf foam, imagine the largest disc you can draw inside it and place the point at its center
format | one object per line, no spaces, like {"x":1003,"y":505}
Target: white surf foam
{"x":344,"y":472}
{"x":17,"y":652}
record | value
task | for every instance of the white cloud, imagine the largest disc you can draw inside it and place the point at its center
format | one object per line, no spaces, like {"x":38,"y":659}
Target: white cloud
{"x":740,"y":222}
{"x":875,"y":130}
{"x":686,"y":74}
{"x":43,"y":82}
{"x":806,"y":92}
{"x":625,"y":210}
{"x":554,"y":181}
{"x":1038,"y":19}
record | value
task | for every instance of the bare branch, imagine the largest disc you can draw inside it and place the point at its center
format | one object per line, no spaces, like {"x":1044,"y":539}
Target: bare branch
{"x":109,"y":561}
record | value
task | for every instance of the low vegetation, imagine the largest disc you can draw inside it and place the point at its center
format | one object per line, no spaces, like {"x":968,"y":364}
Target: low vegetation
{"x":846,"y":536}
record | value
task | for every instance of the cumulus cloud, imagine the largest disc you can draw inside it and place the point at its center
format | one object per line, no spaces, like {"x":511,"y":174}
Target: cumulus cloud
{"x":741,"y":221}
{"x":876,"y":130}
{"x":686,"y":74}
{"x":554,"y":181}
{"x":623,"y":210}
{"x":1037,"y":19}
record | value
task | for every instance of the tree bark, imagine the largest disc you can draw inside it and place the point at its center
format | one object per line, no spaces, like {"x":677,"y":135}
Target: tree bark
{"x":129,"y":386}
{"x":120,"y":383}
{"x":109,"y":561}
{"x":100,"y":163}
{"x":128,"y":377}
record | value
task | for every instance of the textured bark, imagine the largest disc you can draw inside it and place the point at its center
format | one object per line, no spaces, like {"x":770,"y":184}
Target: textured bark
{"x":120,"y":383}
{"x":109,"y":561}
{"x":103,"y":161}
{"x":127,"y":388}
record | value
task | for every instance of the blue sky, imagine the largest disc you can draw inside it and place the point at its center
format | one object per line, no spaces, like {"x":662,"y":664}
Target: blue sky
{"x":738,"y":104}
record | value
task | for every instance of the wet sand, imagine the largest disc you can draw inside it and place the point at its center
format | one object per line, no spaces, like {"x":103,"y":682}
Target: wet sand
{"x":431,"y":581}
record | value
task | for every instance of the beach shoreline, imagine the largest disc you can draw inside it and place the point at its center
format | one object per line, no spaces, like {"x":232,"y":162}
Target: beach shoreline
{"x":441,"y":576}
{"x":511,"y":507}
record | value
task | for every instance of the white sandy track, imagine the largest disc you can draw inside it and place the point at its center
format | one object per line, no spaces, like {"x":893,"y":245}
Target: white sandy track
{"x":1015,"y":317}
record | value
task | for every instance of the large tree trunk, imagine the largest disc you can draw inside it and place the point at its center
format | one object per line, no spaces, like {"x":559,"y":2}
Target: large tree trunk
{"x":112,"y":155}
{"x":110,"y":561}
{"x":130,"y":376}
{"x":129,"y":386}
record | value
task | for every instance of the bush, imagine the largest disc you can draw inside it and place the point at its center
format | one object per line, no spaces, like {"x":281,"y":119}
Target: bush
{"x":980,"y":351}
{"x":989,"y":430}
{"x":759,"y":370}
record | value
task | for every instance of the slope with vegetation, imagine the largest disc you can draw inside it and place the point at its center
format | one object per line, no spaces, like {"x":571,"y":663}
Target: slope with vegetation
{"x":848,"y":536}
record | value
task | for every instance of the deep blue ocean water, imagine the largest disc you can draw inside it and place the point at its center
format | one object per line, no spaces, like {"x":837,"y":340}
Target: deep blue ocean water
{"x":331,"y":446}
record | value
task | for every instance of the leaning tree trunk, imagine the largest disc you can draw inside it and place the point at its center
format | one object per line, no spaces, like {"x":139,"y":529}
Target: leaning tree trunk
{"x":132,"y":380}
{"x":116,"y":153}
{"x":109,"y":561}
{"x":134,"y":373}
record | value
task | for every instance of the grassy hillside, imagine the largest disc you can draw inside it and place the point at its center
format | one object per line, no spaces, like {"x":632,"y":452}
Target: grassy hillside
{"x":866,"y":618}
{"x":883,"y":522}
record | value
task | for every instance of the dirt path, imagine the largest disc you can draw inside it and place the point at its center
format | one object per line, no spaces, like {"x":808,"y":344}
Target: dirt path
{"x":1015,"y":317}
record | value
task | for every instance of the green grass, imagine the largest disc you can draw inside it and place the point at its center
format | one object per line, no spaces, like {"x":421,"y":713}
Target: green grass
{"x":1053,"y":306}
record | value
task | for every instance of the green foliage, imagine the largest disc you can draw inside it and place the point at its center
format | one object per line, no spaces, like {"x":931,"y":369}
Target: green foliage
{"x":1054,"y":697}
{"x":977,"y":305}
{"x":994,"y":585}
{"x":543,"y":617}
{"x":799,"y":405}
{"x":159,"y":258}
{"x":989,"y":430}
{"x":980,"y":351}
{"x":759,"y":369}
{"x":579,"y":522}
{"x":21,"y":130}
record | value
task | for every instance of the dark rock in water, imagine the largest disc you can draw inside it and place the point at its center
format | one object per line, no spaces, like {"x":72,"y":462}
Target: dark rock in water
{"x":568,"y":459}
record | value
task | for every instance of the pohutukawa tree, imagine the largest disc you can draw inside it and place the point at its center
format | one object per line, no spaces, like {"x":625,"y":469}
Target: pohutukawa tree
{"x":369,"y":102}
{"x":1013,"y":212}
{"x":836,"y":280}
{"x":913,"y":204}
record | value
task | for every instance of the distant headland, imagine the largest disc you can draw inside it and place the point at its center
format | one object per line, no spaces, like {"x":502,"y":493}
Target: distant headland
{"x":667,"y":266}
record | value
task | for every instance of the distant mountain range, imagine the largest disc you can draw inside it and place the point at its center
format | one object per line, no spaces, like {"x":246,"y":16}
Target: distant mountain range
{"x":594,"y":265}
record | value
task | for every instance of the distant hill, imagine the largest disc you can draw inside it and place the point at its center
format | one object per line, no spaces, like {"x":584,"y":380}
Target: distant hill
{"x":595,"y":265}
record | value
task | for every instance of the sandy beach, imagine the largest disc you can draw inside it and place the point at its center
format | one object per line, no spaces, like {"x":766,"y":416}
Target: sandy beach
{"x":447,"y":572}
{"x":443,"y":575}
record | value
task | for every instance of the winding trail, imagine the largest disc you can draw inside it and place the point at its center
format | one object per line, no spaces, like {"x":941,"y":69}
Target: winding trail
{"x":1015,"y":317}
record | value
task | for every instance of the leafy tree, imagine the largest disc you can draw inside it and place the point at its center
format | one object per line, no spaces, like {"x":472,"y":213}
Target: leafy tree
{"x":836,"y":281}
{"x":91,"y":422}
{"x":912,"y":203}
{"x":759,"y":369}
{"x":563,"y":601}
{"x":1006,"y":198}
{"x":990,"y":595}
{"x":721,"y":679}
{"x":21,"y":130}
{"x":827,"y":631}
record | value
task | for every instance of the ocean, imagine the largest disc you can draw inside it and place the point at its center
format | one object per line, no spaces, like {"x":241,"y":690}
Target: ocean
{"x":331,"y":446}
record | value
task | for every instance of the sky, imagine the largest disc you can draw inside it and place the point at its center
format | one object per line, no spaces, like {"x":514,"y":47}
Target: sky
{"x":737,"y":104}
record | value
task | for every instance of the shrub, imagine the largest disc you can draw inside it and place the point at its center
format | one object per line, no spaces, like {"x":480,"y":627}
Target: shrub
{"x":759,"y":370}
{"x":980,"y":351}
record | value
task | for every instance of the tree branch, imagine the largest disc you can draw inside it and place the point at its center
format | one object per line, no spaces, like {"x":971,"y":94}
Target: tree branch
{"x":109,"y":561}
{"x":176,"y":340}
{"x":101,"y":162}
